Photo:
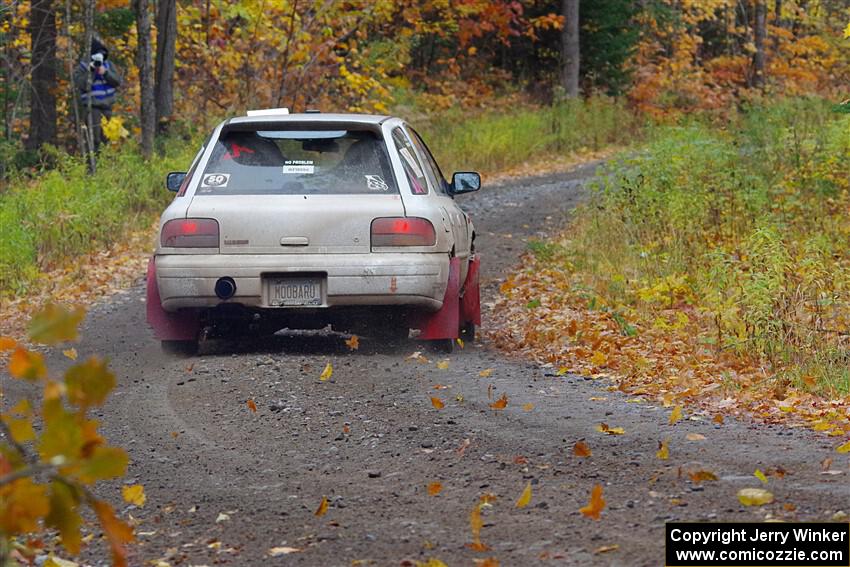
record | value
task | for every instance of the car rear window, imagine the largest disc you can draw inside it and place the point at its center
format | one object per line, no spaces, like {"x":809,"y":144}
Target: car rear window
{"x":298,"y":162}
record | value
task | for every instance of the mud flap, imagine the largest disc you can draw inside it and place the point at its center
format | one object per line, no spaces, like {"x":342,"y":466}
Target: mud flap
{"x":445,"y":323}
{"x":470,"y":303}
{"x":168,"y":326}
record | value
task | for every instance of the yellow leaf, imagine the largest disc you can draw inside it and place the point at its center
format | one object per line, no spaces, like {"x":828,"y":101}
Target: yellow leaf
{"x":596,"y":505}
{"x":663,"y":452}
{"x":327,"y":372}
{"x":89,"y":383}
{"x":460,"y":342}
{"x":434,"y":488}
{"x":695,"y":437}
{"x":55,"y":324}
{"x":443,"y":365}
{"x":718,"y":419}
{"x":847,"y":32}
{"x":760,"y":475}
{"x":606,"y":548}
{"x":113,"y":128}
{"x":70,"y":353}
{"x":562,"y":370}
{"x":501,"y":403}
{"x":252,"y":406}
{"x":27,"y":365}
{"x":134,"y":494}
{"x":598,"y":358}
{"x":64,"y":516}
{"x":525,"y":497}
{"x":353,"y":343}
{"x":580,"y":449}
{"x":486,"y":373}
{"x":605,"y":428}
{"x":322,"y":509}
{"x":754,"y":496}
{"x":437,"y":403}
{"x":24,"y":503}
{"x":528,"y":407}
{"x":432,"y":562}
{"x":675,"y":415}
{"x":845,"y":448}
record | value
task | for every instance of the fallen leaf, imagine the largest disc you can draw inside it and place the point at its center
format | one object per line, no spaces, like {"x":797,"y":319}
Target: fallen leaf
{"x":760,"y":475}
{"x":486,"y":373}
{"x":598,"y":358}
{"x":190,"y":367}
{"x":525,"y":497}
{"x":490,"y":392}
{"x":528,"y":407}
{"x":520,"y":460}
{"x":845,"y":448}
{"x":222,"y":517}
{"x":432,"y":562}
{"x":346,"y":428}
{"x":596,"y":505}
{"x":459,"y":398}
{"x":252,"y":406}
{"x":460,"y":343}
{"x":353,"y":343}
{"x":501,"y":403}
{"x":327,"y":372}
{"x":441,"y":387}
{"x":789,"y":507}
{"x":663,"y":451}
{"x":278,"y":551}
{"x":435,"y":488}
{"x":488,"y":562}
{"x":826,"y":463}
{"x":437,"y":403}
{"x":695,"y":437}
{"x":322,"y":509}
{"x":605,"y":428}
{"x":718,"y":419}
{"x":754,"y":496}
{"x":580,"y":449}
{"x":417,"y":356}
{"x":463,"y":447}
{"x":699,"y":476}
{"x":675,"y":415}
{"x":7,"y":343}
{"x":475,"y":525}
{"x":134,"y":494}
{"x":443,"y":365}
{"x":174,"y":434}
{"x":606,"y":548}
{"x":70,"y":353}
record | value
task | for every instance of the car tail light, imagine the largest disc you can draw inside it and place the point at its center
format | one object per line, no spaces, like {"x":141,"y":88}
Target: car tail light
{"x":190,"y":233}
{"x":403,"y":231}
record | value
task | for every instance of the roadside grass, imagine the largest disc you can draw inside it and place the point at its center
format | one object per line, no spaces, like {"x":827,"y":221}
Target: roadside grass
{"x":713,"y":263}
{"x":63,"y":214}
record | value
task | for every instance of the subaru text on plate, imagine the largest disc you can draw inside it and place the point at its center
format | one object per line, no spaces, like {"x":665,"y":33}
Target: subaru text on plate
{"x":303,"y":220}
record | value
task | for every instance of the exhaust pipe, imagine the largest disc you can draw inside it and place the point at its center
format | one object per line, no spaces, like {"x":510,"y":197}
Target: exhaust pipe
{"x":225,"y":288}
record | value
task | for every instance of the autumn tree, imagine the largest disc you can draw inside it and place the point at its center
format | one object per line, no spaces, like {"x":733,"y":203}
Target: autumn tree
{"x":760,"y":37}
{"x":147,"y":108}
{"x":166,"y":37}
{"x":42,"y":30}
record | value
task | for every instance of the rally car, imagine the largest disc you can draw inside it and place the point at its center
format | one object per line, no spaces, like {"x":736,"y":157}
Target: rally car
{"x":301,"y":221}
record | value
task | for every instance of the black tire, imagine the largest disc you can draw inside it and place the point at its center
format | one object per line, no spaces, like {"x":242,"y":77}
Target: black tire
{"x":180,"y":348}
{"x":442,"y":346}
{"x":467,"y":332}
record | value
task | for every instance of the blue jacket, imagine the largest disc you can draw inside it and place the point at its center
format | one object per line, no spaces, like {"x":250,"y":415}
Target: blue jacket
{"x":103,"y":87}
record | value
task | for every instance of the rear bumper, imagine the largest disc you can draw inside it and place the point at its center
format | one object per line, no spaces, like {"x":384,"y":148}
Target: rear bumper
{"x":409,"y":279}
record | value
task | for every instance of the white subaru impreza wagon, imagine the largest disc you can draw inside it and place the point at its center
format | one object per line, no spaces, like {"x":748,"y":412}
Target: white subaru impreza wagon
{"x":303,"y":220}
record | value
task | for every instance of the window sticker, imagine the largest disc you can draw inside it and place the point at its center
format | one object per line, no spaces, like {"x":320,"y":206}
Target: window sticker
{"x":405,"y":153}
{"x":215,"y":180}
{"x":299,"y":166}
{"x":376,"y":183}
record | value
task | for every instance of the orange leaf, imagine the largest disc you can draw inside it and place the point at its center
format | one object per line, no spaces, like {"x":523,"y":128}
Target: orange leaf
{"x":353,"y":343}
{"x":117,"y":532}
{"x":501,"y":403}
{"x":525,"y":497}
{"x":718,"y":419}
{"x":27,"y":365}
{"x":596,"y":505}
{"x":486,"y":373}
{"x":322,"y":509}
{"x":437,"y":403}
{"x":434,"y":488}
{"x":701,"y":475}
{"x":252,"y":406}
{"x":7,"y":343}
{"x":528,"y":407}
{"x":605,"y":428}
{"x":580,"y":449}
{"x":475,"y":524}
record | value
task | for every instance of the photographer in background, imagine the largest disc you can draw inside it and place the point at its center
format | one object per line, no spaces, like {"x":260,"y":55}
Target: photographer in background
{"x":104,"y":82}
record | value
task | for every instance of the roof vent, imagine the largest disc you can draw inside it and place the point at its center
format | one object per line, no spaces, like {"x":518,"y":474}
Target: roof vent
{"x":268,"y":112}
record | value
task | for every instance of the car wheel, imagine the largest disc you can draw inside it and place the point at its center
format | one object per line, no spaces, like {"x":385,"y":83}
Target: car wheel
{"x":180,"y":348}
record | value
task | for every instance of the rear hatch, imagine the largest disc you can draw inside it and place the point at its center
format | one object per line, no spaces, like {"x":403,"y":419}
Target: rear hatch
{"x":297,"y":189}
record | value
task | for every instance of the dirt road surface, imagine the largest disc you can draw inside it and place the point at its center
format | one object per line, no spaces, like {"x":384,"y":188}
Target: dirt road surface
{"x":224,"y":484}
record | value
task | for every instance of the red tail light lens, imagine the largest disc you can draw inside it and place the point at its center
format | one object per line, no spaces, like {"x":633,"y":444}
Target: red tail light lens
{"x":190,"y":233}
{"x":403,"y":231}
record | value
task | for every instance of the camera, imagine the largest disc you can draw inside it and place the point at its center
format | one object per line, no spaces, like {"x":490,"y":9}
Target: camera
{"x":96,"y":60}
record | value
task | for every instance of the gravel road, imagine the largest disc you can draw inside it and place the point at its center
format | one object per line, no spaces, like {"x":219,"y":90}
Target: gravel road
{"x":224,"y":484}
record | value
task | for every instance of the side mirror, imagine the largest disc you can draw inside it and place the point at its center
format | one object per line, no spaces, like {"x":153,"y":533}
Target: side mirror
{"x":465,"y":182}
{"x":174,"y":180}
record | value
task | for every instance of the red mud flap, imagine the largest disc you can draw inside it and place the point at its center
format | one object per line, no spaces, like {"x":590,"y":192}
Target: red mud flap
{"x":445,"y":323}
{"x":168,"y":326}
{"x":470,"y":303}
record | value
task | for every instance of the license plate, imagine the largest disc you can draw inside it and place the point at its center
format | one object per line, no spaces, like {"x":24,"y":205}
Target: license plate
{"x":294,"y":292}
